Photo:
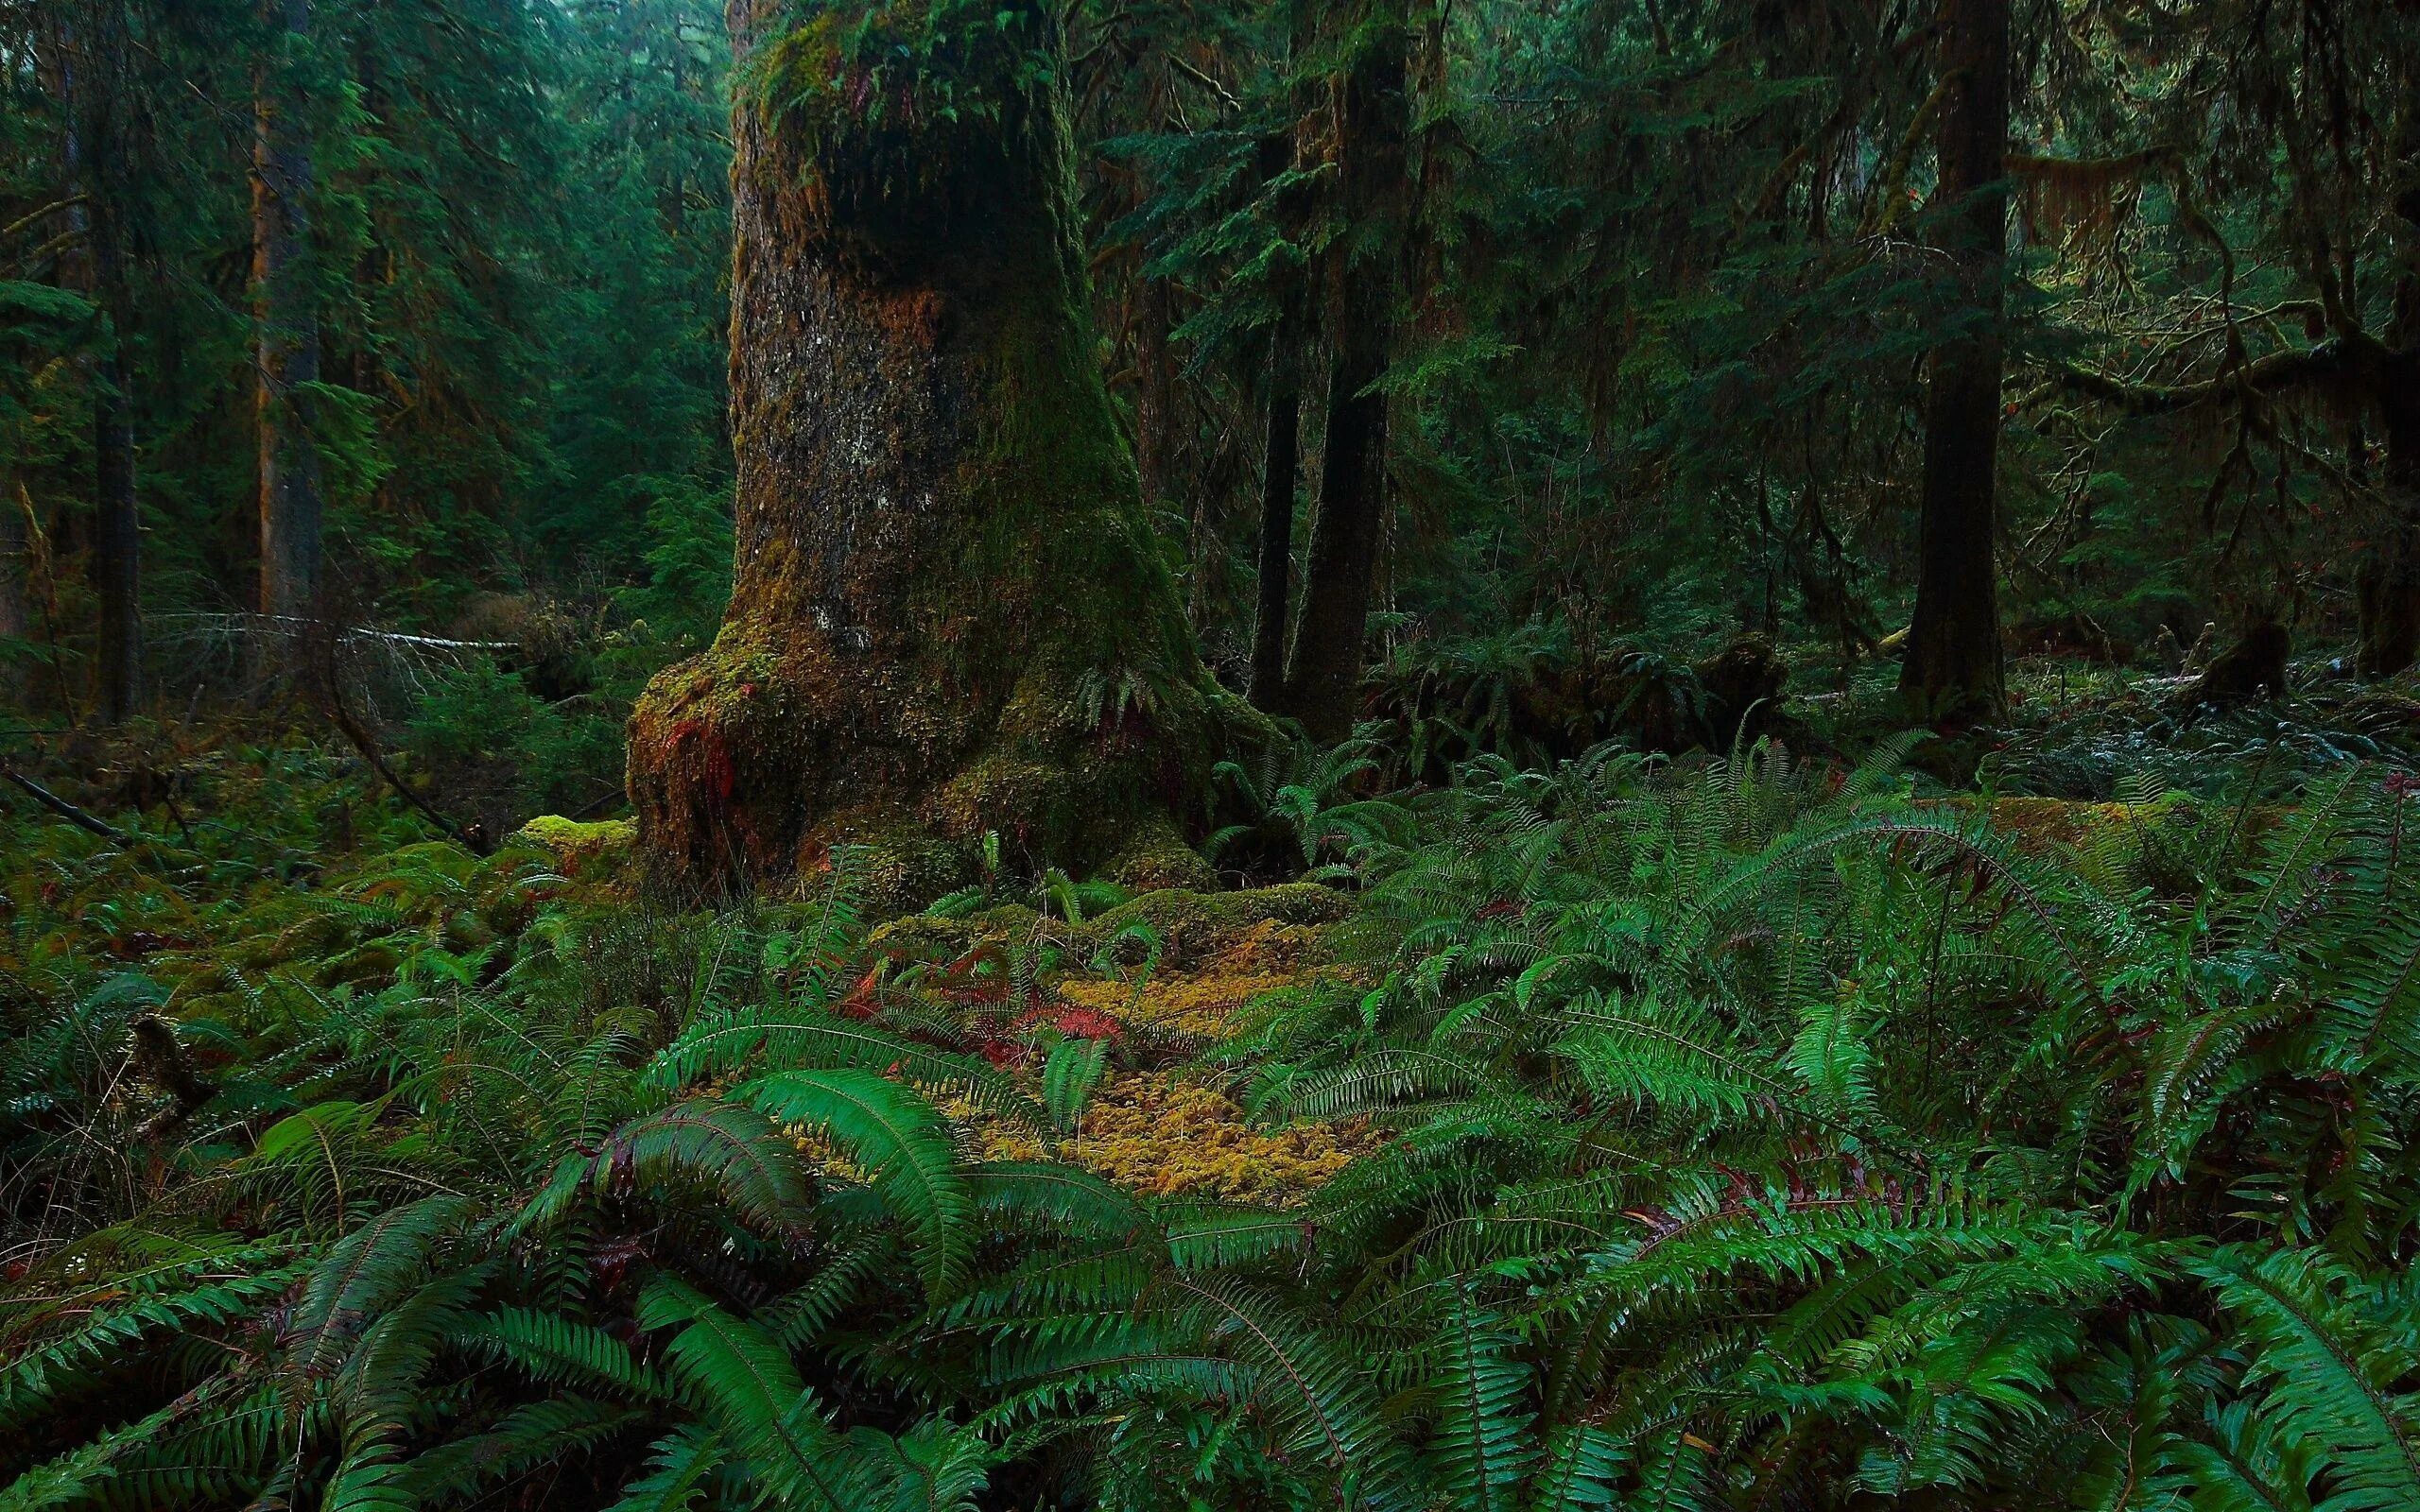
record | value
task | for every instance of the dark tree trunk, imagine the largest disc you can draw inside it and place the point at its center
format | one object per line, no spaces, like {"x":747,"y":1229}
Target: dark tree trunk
{"x":92,"y":71}
{"x":1155,"y":396}
{"x":15,"y":615}
{"x":117,"y":542}
{"x":1323,"y":683}
{"x":1277,"y":482}
{"x":948,"y":614}
{"x":1953,"y":669}
{"x":1282,"y":444}
{"x":2388,"y":583}
{"x":289,"y":337}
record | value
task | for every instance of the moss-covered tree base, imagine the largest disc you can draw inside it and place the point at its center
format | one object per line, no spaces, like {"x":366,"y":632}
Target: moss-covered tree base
{"x":949,"y":617}
{"x":745,"y":771}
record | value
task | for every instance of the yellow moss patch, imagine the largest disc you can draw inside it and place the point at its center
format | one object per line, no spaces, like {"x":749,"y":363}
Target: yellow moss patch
{"x":1167,"y":1134}
{"x":1186,"y":1005}
{"x":1172,"y":1132}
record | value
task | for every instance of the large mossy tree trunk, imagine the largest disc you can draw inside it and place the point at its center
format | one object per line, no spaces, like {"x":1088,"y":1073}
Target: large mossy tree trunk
{"x":948,"y":616}
{"x":1953,"y":671}
{"x":1373,"y":122}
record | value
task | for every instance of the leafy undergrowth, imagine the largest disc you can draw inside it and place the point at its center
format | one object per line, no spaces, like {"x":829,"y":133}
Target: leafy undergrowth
{"x":1629,"y":1135}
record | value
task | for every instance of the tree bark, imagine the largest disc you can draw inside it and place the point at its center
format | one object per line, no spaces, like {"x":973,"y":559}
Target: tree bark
{"x":1155,"y":394}
{"x":287,"y":354}
{"x":948,"y":614}
{"x":1953,"y":671}
{"x":1281,"y":456}
{"x":94,"y":67}
{"x":1323,"y":683}
{"x":1282,"y":444}
{"x":15,"y":547}
{"x":2387,"y":584}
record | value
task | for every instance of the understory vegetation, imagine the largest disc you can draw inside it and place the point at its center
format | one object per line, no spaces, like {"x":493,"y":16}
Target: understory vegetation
{"x":1209,"y":755}
{"x":1732,"y":1132}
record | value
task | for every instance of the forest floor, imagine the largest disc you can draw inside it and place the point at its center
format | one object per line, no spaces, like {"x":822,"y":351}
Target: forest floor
{"x":1617,"y":1025}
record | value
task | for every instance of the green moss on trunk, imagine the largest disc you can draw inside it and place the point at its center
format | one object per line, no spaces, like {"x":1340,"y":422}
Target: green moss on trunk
{"x":948,"y":614}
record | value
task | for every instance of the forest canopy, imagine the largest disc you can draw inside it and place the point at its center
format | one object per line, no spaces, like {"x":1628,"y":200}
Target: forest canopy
{"x":1228,"y":754}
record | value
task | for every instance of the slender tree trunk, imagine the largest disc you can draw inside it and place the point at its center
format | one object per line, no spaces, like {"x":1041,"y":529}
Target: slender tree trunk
{"x":1277,"y":483}
{"x":16,"y":618}
{"x":2388,"y":583}
{"x":948,"y":614}
{"x":93,"y":66}
{"x":1953,"y":668}
{"x":1281,"y":450}
{"x":117,"y":542}
{"x":1373,"y":105}
{"x":288,"y":356}
{"x":1155,"y":398}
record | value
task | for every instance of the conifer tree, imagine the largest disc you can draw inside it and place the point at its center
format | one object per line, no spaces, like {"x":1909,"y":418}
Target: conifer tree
{"x":1953,"y":657}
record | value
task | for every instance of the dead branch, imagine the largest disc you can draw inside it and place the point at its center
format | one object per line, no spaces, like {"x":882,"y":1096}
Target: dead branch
{"x":67,"y":810}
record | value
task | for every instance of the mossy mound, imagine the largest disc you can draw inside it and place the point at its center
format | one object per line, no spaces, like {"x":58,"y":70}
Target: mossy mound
{"x":580,"y":846}
{"x":1189,"y":925}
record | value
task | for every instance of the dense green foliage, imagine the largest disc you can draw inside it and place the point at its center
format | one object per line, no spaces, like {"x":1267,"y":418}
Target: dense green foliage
{"x":1760,"y":1134}
{"x":1699,"y":1094}
{"x":1665,"y":299}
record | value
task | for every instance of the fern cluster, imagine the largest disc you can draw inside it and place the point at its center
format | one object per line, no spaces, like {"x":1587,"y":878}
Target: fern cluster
{"x":1760,"y":1135}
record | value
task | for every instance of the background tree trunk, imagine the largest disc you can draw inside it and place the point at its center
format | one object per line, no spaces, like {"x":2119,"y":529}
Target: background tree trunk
{"x":2388,"y":582}
{"x":1373,"y":105}
{"x":288,"y":339}
{"x":117,"y":543}
{"x":1282,"y":443}
{"x":1155,"y":392}
{"x":93,"y":75}
{"x":16,"y":618}
{"x":1953,"y":668}
{"x":948,"y":615}
{"x":2387,"y":586}
{"x":1279,"y":469}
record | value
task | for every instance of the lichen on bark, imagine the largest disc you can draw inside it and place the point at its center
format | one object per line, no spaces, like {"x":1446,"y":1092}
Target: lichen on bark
{"x":948,"y":614}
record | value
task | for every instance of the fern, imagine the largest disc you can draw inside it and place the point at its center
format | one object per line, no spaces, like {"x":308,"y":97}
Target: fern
{"x":724,"y":1148}
{"x":1483,"y":1445}
{"x":2330,"y":1374}
{"x":748,"y":1389}
{"x":901,"y":1141}
{"x":678,"y":1471}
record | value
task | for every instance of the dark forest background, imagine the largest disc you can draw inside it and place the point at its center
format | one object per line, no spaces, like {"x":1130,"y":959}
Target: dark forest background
{"x":1659,"y":282}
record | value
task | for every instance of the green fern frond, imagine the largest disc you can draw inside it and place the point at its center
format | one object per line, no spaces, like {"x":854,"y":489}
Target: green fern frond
{"x":750,"y":1391}
{"x":2328,"y":1375}
{"x":679,"y":1469}
{"x":902,"y":1143}
{"x":1482,"y":1444}
{"x":724,"y":1148}
{"x":558,"y":1350}
{"x":784,"y":1039}
{"x":535,"y":1435}
{"x":365,"y":1271}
